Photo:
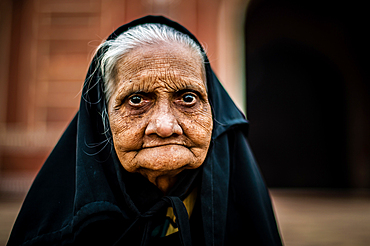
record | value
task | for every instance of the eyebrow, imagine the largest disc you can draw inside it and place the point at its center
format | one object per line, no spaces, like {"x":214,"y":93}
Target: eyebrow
{"x":125,"y":91}
{"x":129,"y":89}
{"x":193,"y":87}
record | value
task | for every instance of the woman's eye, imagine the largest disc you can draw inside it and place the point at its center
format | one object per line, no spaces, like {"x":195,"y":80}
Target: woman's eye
{"x":189,"y":99}
{"x":135,"y":100}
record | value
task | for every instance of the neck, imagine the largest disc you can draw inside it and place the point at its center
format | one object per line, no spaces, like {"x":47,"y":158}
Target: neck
{"x":164,"y":183}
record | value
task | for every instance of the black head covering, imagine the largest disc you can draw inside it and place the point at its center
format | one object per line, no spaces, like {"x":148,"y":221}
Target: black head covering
{"x":83,"y":196}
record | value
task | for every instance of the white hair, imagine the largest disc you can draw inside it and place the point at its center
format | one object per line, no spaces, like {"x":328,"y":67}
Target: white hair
{"x":146,"y":34}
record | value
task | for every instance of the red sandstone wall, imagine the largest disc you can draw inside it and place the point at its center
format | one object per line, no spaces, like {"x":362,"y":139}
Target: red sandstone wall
{"x":49,"y":50}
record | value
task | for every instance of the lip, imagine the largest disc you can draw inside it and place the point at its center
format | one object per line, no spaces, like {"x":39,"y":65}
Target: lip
{"x":148,"y":146}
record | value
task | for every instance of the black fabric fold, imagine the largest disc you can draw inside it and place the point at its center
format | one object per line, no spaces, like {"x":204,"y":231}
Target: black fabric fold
{"x":182,"y":219}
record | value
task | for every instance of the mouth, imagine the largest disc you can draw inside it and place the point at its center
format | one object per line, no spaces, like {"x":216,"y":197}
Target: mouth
{"x":149,"y":146}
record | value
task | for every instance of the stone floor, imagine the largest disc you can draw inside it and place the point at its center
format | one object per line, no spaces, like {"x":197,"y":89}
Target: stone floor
{"x":305,"y":217}
{"x":309,"y":218}
{"x":9,"y":209}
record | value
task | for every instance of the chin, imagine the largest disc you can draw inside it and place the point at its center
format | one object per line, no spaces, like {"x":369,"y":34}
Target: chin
{"x":164,"y":180}
{"x":161,"y":165}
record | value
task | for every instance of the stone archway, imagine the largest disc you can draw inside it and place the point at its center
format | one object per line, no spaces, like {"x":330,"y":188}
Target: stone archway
{"x":304,"y":80}
{"x":297,"y":113}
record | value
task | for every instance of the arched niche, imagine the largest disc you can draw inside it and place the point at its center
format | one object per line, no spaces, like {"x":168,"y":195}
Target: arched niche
{"x":298,"y":118}
{"x":307,"y":93}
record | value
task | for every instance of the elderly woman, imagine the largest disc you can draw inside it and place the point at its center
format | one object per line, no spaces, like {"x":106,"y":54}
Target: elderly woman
{"x":156,"y":155}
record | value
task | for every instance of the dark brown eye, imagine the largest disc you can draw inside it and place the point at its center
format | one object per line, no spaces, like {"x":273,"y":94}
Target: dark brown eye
{"x":189,"y":98}
{"x":135,"y":100}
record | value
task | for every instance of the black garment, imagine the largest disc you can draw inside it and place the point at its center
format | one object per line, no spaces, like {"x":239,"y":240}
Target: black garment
{"x":83,"y":196}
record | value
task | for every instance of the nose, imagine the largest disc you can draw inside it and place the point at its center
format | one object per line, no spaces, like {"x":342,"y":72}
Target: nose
{"x":163,"y":123}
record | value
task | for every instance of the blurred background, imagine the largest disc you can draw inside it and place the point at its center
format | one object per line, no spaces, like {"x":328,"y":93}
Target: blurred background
{"x":297,"y":69}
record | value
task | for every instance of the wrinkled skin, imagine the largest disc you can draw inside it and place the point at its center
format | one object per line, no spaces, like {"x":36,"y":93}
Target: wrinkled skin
{"x":159,"y":114}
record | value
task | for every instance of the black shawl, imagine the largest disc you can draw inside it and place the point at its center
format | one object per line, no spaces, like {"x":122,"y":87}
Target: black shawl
{"x":83,"y":196}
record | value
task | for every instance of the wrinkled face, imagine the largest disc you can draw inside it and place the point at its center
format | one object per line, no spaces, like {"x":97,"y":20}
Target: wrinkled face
{"x":159,"y":113}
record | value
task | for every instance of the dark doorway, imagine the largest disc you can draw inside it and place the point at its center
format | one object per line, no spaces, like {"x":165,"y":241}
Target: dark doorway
{"x":296,"y":92}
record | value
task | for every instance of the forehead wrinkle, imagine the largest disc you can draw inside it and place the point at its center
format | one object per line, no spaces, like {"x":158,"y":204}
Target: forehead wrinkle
{"x":150,"y":70}
{"x":151,"y":84}
{"x":171,"y":81}
{"x":170,"y":78}
{"x":162,"y":59}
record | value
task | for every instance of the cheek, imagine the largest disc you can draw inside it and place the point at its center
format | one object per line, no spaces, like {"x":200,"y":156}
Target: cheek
{"x":127,"y":132}
{"x":199,"y":128}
